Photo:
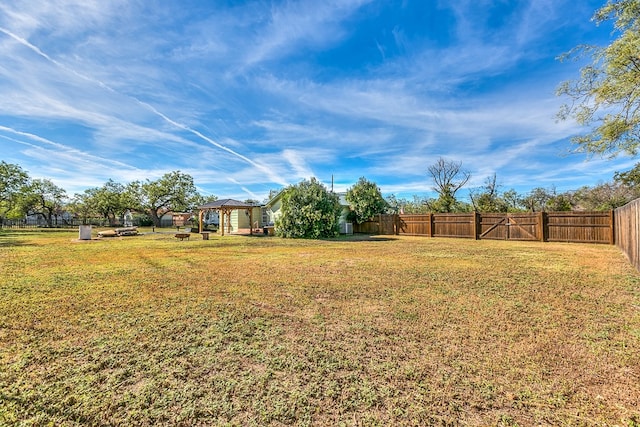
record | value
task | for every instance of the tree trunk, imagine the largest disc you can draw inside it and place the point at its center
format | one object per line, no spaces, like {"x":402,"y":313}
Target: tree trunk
{"x":154,"y":217}
{"x":112,"y":219}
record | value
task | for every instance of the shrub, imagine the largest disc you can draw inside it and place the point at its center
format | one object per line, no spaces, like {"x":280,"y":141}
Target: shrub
{"x":308,"y":211}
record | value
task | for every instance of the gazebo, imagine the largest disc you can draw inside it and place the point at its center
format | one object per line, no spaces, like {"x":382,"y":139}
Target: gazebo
{"x":225,"y":207}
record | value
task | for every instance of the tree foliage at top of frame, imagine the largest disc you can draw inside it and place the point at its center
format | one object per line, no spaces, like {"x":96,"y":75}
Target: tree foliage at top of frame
{"x":606,"y":97}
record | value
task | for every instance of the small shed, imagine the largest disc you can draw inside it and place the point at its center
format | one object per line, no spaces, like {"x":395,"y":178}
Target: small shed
{"x":225,"y":207}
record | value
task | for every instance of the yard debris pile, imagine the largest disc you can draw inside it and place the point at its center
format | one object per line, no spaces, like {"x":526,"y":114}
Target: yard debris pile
{"x":119,"y":232}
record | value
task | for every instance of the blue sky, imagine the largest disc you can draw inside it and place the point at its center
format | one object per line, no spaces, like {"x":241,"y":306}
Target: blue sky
{"x":249,"y":96}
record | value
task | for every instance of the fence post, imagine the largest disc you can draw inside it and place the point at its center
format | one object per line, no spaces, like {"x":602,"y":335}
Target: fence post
{"x":541,"y":225}
{"x":430,"y":232}
{"x":476,"y":225}
{"x":612,"y":236}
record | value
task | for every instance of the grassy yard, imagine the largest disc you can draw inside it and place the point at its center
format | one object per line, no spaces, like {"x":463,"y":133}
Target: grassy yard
{"x":149,"y":331}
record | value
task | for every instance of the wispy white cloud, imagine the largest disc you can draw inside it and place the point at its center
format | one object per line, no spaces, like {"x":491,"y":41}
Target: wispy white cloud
{"x":295,"y":25}
{"x":253,"y":95}
{"x":63,"y":150}
{"x":143,"y":104}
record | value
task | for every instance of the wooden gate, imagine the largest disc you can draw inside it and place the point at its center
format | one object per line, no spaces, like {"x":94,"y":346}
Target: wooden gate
{"x":520,"y":226}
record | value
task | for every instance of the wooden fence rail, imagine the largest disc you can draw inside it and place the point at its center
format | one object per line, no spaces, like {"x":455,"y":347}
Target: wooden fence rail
{"x":586,"y":227}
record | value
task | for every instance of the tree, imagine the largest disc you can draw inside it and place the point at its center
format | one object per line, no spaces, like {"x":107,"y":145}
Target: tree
{"x":81,"y":207}
{"x":199,"y":199}
{"x":308,"y":211}
{"x":630,"y":178}
{"x":536,"y":200}
{"x":42,"y":197}
{"x":603,"y":197}
{"x":559,"y":203}
{"x":365,"y":201}
{"x":513,"y":200}
{"x":110,"y":201}
{"x":173,"y":192}
{"x":542,"y":199}
{"x":607,"y":95}
{"x":448,"y":177}
{"x":12,"y":181}
{"x":488,"y":198}
{"x":418,"y":205}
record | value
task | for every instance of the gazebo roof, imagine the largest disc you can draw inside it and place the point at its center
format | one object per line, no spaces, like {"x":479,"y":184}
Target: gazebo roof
{"x":226,"y":203}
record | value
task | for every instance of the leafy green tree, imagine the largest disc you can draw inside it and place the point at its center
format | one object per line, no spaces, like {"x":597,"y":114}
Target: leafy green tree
{"x":13,"y":179}
{"x":393,"y":203}
{"x":173,"y":192}
{"x":417,"y":205}
{"x":607,"y":94}
{"x":448,"y":177}
{"x":42,"y":197}
{"x":81,"y":207}
{"x":488,"y":198}
{"x":365,"y":201}
{"x":200,"y":200}
{"x":308,"y":211}
{"x":447,"y":205}
{"x":513,"y":200}
{"x":110,"y":201}
{"x":536,"y":200}
{"x":604,"y":196}
{"x":630,"y":178}
{"x":547,"y":200}
{"x":559,"y":203}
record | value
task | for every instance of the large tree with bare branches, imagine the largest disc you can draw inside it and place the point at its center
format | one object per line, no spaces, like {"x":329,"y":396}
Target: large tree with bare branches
{"x":448,"y":177}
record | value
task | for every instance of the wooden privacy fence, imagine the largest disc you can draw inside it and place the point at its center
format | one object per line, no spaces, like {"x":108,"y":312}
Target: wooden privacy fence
{"x":627,"y":231}
{"x":584,"y":227}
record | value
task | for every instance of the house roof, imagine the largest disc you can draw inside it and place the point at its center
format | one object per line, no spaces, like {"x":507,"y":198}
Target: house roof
{"x":226,"y":203}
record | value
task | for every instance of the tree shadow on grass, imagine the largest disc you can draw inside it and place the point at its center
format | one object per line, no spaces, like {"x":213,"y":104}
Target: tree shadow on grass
{"x":11,"y":239}
{"x":362,"y":238}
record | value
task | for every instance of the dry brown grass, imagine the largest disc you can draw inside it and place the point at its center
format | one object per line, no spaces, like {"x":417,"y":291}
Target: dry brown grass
{"x":148,"y":330}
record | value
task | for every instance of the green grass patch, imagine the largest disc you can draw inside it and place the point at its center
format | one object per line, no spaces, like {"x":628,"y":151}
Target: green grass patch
{"x":149,"y":330}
